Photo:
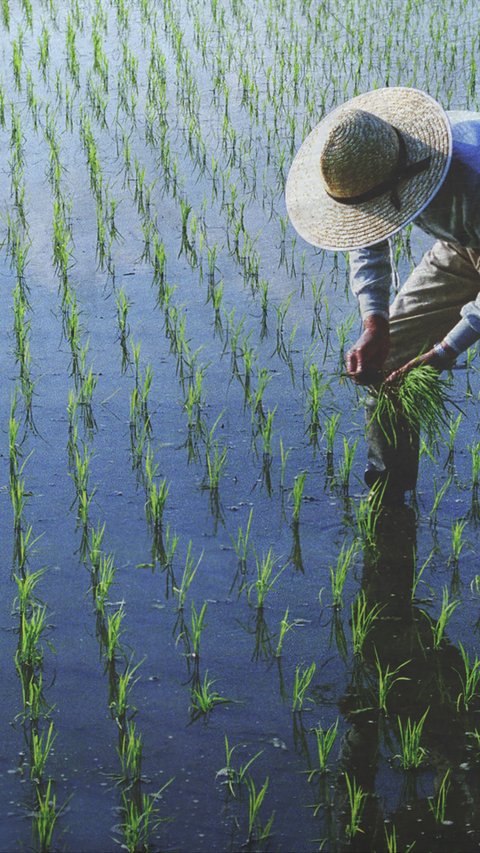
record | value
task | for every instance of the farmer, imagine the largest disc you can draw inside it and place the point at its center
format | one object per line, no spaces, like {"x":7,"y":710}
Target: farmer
{"x":373,"y":165}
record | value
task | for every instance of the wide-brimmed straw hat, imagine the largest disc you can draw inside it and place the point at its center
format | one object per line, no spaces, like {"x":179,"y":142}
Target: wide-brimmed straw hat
{"x":369,"y":168}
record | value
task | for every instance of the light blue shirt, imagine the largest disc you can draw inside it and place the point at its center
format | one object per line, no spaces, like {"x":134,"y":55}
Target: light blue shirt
{"x":453,"y":215}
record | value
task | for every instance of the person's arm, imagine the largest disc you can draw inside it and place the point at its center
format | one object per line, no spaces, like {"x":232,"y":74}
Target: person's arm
{"x":443,"y":354}
{"x":371,"y":273}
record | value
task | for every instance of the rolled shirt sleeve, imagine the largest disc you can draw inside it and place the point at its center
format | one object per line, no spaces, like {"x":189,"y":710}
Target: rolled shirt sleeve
{"x":467,"y":330}
{"x":371,"y":274}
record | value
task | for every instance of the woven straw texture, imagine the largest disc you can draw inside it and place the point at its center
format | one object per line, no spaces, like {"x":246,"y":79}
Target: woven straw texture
{"x":331,"y":225}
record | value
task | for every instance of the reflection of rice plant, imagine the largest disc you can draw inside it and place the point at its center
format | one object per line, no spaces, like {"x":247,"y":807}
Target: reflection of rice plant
{"x":303,"y":679}
{"x":325,"y":739}
{"x":470,"y":680}
{"x":356,"y":799}
{"x":410,"y":735}
{"x":338,"y":574}
{"x":363,"y":619}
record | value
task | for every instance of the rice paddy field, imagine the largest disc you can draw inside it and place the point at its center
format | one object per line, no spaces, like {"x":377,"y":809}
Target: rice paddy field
{"x":210,"y":640}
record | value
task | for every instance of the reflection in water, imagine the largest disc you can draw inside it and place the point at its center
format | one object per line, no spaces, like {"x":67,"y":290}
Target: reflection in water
{"x":394,"y":816}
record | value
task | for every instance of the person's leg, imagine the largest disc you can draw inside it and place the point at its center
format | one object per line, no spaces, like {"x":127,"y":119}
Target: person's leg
{"x":423,"y":312}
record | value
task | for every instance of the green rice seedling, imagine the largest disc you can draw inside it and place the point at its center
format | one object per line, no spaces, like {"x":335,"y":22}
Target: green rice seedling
{"x":330,"y":430}
{"x":32,"y":626}
{"x":114,"y":631}
{"x":234,"y":777}
{"x":6,"y":14}
{"x":73,"y":62}
{"x":421,"y":398}
{"x":315,"y":394}
{"x":284,"y":454}
{"x":265,"y":578}
{"x":367,"y":514}
{"x":41,"y":746}
{"x":197,"y":626}
{"x":130,"y":753}
{"x":438,"y":803}
{"x":216,"y":459}
{"x":256,"y":831}
{"x":141,"y":818}
{"x":325,"y":739}
{"x":392,"y":842}
{"x":303,"y":679}
{"x":438,"y":627}
{"x":285,"y":627}
{"x":103,"y":581}
{"x":356,"y":799}
{"x":363,"y":619}
{"x":439,"y":494}
{"x":240,"y":544}
{"x":338,"y":575}
{"x":474,"y":450}
{"x":387,"y":678}
{"x":453,"y":426}
{"x":470,"y":680}
{"x":412,"y":754}
{"x":17,"y":57}
{"x":345,"y":466}
{"x":96,"y":541}
{"x":458,"y":543}
{"x":297,"y":495}
{"x":119,"y":703}
{"x":45,"y":817}
{"x":266,"y":428}
{"x":157,"y":494}
{"x":34,"y":704}
{"x":23,"y":545}
{"x":26,"y":585}
{"x":189,"y":572}
{"x":417,"y":575}
{"x":203,"y":699}
{"x":263,"y":378}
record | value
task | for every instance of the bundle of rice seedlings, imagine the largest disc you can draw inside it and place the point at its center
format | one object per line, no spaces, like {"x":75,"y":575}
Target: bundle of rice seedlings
{"x":419,"y":401}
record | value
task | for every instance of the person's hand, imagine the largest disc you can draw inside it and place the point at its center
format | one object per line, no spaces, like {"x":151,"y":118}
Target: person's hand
{"x":430,"y":357}
{"x":365,"y":360}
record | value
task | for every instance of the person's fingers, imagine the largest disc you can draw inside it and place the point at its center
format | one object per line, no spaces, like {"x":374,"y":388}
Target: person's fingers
{"x":351,"y":361}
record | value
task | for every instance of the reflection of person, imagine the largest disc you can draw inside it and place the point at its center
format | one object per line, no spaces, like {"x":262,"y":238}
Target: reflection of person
{"x":372,"y":166}
{"x":400,"y":634}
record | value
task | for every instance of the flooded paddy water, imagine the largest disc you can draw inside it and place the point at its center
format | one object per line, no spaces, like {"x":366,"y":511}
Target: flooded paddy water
{"x":189,"y":563}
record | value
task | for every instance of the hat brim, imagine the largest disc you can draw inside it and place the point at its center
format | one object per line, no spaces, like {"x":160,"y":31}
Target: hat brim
{"x":329,"y":224}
